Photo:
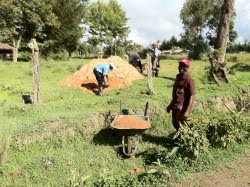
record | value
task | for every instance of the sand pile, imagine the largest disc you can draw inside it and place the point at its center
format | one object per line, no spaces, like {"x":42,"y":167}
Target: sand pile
{"x":121,"y":77}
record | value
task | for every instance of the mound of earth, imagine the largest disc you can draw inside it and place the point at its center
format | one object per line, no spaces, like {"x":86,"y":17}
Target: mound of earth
{"x":121,"y":77}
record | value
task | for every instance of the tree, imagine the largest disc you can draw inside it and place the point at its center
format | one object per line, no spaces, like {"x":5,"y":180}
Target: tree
{"x":217,"y":59}
{"x":107,"y":22}
{"x":70,"y":15}
{"x":169,"y":44}
{"x":201,"y":16}
{"x":23,"y":20}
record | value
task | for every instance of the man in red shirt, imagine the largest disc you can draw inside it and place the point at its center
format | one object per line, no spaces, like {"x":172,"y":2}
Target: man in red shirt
{"x":183,"y":95}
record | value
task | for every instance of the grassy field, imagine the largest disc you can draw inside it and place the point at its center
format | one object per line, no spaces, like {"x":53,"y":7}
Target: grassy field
{"x":66,"y":140}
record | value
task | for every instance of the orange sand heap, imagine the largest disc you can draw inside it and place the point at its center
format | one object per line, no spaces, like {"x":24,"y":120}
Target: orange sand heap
{"x":130,"y":122}
{"x":120,"y":77}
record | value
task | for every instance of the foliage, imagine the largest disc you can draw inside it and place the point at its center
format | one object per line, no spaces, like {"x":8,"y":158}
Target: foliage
{"x":198,"y":49}
{"x":84,"y":49}
{"x":70,"y":15}
{"x":22,"y":19}
{"x":192,"y":141}
{"x":167,"y":45}
{"x":239,"y":47}
{"x":199,"y":17}
{"x":228,"y":130}
{"x":107,"y":22}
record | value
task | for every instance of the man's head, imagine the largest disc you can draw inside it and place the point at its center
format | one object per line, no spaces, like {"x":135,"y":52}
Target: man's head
{"x":112,"y":66}
{"x":154,"y":45}
{"x":184,"y":64}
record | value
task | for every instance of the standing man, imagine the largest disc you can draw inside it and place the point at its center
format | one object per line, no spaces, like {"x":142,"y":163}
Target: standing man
{"x":155,"y":59}
{"x":135,"y":60}
{"x":182,"y":96}
{"x":101,"y":74}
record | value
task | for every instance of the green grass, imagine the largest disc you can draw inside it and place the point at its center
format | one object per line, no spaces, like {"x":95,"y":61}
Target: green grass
{"x":65,"y":140}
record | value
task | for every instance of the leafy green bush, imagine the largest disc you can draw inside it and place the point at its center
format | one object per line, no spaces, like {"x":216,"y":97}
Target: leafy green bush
{"x":24,"y":56}
{"x":222,"y":132}
{"x":192,"y":141}
{"x":233,"y":58}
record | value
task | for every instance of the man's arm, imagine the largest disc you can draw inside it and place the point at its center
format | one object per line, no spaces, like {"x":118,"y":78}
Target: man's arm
{"x":191,"y":99}
{"x":106,"y":80}
{"x":186,"y":113}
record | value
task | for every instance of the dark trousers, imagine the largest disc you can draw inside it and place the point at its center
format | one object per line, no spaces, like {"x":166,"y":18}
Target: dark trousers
{"x":178,"y":120}
{"x":136,"y":64}
{"x":99,"y":77}
{"x":155,"y":66}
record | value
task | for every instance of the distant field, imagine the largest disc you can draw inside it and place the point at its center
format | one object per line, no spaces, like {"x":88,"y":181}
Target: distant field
{"x":65,"y":140}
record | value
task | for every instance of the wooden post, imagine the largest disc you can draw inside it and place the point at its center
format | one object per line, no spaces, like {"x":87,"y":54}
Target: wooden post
{"x":149,"y":80}
{"x":36,"y":70}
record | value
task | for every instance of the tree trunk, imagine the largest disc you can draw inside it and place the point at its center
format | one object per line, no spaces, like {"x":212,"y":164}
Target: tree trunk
{"x":111,"y":48}
{"x":149,"y":80}
{"x":217,"y":59}
{"x":36,"y":70}
{"x":16,"y":44}
{"x":115,"y":48}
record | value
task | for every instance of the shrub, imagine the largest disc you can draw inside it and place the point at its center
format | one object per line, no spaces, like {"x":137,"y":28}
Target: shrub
{"x":222,"y":132}
{"x":192,"y":141}
{"x":24,"y":56}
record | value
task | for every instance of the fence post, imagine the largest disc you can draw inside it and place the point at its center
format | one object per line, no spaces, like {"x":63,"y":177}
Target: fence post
{"x":36,"y":70}
{"x":149,"y":80}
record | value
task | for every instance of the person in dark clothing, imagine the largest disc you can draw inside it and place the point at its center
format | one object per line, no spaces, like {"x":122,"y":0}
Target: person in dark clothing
{"x":182,"y":96}
{"x":155,"y":60}
{"x":101,"y":73}
{"x":135,"y":60}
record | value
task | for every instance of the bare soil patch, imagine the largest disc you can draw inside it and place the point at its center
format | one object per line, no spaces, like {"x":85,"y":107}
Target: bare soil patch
{"x":236,"y":173}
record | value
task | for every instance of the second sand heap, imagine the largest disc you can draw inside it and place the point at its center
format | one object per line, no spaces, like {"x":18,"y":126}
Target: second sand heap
{"x":121,"y":77}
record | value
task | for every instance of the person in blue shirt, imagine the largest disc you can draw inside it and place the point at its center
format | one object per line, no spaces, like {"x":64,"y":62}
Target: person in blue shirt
{"x":101,"y":72}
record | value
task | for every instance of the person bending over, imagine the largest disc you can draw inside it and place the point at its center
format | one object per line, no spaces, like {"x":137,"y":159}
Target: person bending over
{"x":135,"y":60}
{"x":101,"y":72}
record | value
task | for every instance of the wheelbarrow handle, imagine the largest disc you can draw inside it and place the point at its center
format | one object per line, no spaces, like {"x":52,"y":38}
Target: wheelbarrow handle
{"x":146,"y":109}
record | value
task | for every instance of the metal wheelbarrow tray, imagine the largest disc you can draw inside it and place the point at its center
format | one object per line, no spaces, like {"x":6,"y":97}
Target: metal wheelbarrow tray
{"x":130,"y":131}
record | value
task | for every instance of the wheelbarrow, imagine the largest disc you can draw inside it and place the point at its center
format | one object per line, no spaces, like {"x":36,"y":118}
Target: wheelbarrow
{"x":129,"y":147}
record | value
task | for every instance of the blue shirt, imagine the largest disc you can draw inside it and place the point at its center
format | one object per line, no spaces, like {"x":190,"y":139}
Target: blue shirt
{"x":103,"y":68}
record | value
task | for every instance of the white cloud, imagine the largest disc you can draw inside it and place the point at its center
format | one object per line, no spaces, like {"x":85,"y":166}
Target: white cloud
{"x":155,"y":20}
{"x":152,"y":20}
{"x":242,"y":20}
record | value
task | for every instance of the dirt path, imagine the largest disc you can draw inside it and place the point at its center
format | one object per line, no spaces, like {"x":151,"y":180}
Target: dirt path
{"x":235,"y":174}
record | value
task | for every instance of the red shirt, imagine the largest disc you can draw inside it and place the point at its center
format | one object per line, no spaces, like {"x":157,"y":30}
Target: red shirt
{"x":182,"y":90}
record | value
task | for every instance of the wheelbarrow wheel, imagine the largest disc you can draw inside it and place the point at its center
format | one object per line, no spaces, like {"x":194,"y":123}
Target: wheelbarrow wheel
{"x":131,"y":147}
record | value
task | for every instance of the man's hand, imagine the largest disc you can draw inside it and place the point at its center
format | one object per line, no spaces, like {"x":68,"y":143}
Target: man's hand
{"x":184,"y":116}
{"x":106,"y":84}
{"x":169,"y":108}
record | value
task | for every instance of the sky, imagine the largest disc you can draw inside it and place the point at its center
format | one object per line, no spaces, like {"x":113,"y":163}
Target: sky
{"x":152,"y":20}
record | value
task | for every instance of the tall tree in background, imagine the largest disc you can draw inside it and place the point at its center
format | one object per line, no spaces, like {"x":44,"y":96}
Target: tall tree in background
{"x":117,"y":24}
{"x":107,"y":22}
{"x":23,"y":20}
{"x":201,"y":17}
{"x":70,"y":14}
{"x":217,"y":59}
